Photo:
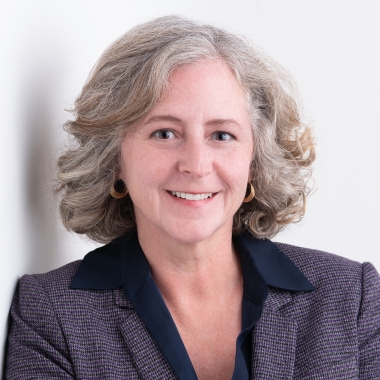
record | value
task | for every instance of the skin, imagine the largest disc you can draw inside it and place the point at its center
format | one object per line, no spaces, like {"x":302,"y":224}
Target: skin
{"x":196,"y":140}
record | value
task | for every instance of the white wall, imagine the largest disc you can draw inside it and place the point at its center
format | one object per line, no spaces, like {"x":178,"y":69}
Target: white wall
{"x":48,"y":47}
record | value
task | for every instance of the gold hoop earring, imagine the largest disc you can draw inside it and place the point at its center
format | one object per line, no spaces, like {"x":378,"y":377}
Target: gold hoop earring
{"x":119,"y":190}
{"x":251,"y":194}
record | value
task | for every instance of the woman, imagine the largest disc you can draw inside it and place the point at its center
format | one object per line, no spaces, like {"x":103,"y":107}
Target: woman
{"x":188,"y":153}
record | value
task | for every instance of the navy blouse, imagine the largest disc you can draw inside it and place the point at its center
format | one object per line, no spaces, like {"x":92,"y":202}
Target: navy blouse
{"x":122,"y":263}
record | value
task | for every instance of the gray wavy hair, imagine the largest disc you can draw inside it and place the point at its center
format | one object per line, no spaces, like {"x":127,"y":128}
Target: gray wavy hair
{"x":130,"y":78}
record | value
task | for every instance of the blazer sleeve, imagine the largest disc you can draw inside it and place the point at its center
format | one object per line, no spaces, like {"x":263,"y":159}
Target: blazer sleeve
{"x":369,"y":324}
{"x":36,"y":345}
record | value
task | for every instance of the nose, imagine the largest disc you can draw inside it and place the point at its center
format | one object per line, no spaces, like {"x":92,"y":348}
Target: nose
{"x":195,"y":159}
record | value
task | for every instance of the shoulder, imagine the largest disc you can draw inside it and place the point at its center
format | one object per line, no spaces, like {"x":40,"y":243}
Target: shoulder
{"x":57,"y":279}
{"x":346,"y":303}
{"x":308,"y":256}
{"x":322,"y":268}
{"x":37,"y":291}
{"x":335,"y":277}
{"x":47,"y":299}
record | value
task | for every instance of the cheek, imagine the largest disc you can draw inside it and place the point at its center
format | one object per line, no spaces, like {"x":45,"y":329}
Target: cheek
{"x":239,"y":164}
{"x":143,"y":169}
{"x":130,"y":164}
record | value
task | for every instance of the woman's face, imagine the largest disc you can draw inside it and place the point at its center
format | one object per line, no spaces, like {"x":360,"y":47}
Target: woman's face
{"x":186,"y":165}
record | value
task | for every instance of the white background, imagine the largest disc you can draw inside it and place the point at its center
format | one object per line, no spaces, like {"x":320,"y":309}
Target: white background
{"x":48,"y":47}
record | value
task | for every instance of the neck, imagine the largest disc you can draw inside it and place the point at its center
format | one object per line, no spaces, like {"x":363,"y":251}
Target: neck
{"x":197,"y":271}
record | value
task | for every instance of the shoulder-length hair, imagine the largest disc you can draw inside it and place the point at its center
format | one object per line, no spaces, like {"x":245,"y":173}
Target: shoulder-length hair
{"x":130,"y":78}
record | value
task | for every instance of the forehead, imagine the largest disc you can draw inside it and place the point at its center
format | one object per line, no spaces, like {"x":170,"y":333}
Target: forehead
{"x":209,"y":68}
{"x":211,"y":82}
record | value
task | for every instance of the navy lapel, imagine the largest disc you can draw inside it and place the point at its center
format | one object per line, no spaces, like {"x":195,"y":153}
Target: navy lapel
{"x":271,"y":264}
{"x":103,"y":268}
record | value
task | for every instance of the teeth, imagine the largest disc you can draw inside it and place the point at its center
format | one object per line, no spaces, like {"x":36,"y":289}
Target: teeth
{"x":192,"y":197}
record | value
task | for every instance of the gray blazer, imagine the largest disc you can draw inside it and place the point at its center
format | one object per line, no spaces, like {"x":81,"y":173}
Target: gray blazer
{"x":330,"y":333}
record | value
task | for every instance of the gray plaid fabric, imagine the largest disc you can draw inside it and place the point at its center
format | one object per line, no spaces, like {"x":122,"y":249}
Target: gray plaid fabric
{"x":330,"y":333}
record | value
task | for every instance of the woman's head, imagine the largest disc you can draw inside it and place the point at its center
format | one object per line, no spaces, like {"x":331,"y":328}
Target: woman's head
{"x":187,"y":163}
{"x":131,"y":77}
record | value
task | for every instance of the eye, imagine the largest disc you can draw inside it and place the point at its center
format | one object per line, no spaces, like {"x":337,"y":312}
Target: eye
{"x":164,"y":134}
{"x":222,"y":136}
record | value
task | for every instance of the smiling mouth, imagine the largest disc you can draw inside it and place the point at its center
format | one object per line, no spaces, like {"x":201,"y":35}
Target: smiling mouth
{"x":191,"y":197}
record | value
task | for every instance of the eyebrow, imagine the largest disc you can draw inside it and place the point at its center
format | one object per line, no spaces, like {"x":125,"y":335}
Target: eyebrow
{"x":176,"y":120}
{"x":222,"y":122}
{"x":157,"y":118}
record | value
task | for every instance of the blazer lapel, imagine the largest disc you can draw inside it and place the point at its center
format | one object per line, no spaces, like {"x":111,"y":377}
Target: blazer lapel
{"x":148,"y":358}
{"x":274,"y":339}
{"x":149,"y":361}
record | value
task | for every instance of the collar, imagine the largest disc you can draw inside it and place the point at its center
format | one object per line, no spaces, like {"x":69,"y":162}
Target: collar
{"x":123,"y":263}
